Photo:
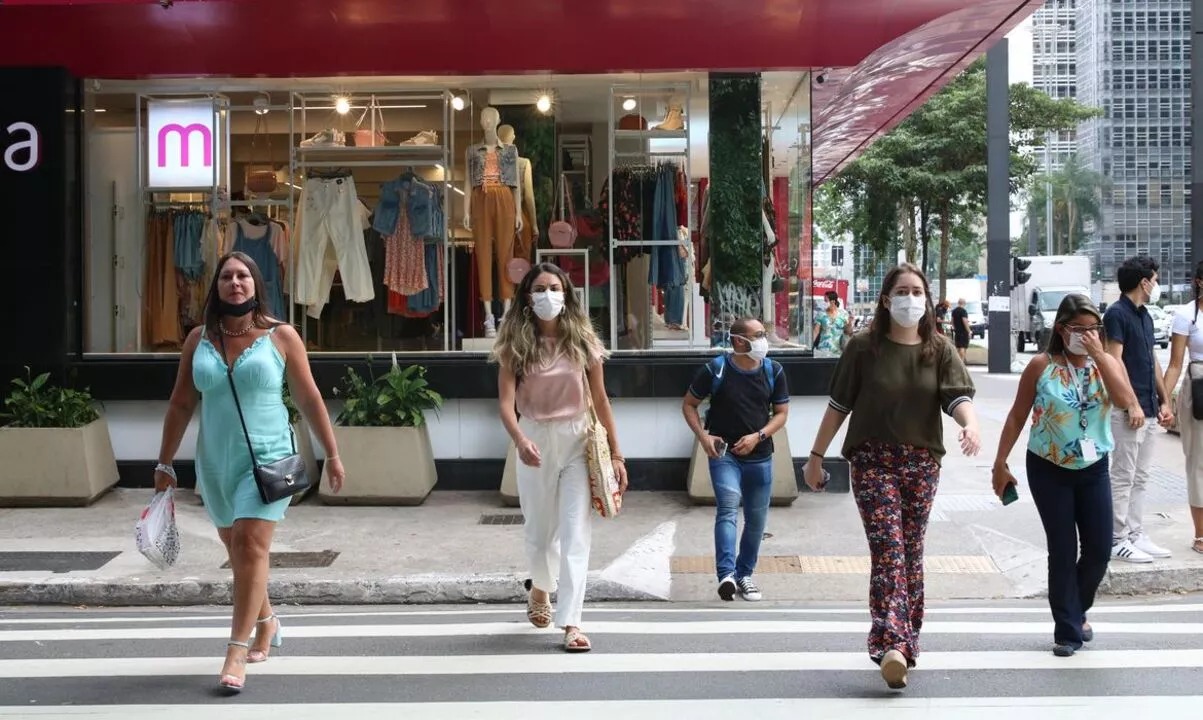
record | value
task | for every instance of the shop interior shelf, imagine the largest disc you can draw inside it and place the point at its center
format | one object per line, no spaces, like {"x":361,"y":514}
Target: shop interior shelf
{"x":385,"y":150}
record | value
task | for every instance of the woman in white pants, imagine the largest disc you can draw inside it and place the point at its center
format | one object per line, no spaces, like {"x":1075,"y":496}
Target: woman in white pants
{"x":1186,"y":362}
{"x":550,"y":357}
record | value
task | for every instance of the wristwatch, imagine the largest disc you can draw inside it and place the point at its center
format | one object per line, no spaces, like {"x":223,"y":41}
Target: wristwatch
{"x":762,"y":436}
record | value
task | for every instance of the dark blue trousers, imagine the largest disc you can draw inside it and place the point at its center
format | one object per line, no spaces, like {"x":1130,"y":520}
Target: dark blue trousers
{"x":1075,"y":507}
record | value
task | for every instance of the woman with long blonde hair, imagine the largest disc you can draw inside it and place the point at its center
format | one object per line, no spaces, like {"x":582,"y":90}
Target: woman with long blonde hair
{"x":551,"y":368}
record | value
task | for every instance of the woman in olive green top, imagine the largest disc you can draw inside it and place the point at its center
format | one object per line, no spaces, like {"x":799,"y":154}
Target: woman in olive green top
{"x":895,"y":380}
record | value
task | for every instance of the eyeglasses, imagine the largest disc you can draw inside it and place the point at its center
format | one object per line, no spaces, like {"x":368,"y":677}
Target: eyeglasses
{"x":1079,"y":330}
{"x":757,"y":336}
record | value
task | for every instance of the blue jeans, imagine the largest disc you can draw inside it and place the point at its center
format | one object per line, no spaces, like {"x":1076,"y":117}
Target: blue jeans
{"x":674,"y":304}
{"x":733,"y":480}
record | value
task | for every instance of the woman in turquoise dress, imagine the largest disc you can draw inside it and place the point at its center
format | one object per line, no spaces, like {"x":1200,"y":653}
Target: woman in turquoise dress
{"x":240,"y":332}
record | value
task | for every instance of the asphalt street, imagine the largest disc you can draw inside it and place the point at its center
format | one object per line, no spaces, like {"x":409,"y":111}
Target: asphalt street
{"x":707,"y":660}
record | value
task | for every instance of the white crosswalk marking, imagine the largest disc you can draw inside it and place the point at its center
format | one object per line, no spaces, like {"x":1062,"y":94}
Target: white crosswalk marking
{"x":988,"y":663}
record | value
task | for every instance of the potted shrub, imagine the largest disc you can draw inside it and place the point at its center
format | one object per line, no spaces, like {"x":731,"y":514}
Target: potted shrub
{"x":382,"y":437}
{"x":54,"y":446}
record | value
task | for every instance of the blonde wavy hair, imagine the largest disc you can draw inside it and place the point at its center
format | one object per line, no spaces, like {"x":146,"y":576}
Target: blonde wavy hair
{"x":518,"y":347}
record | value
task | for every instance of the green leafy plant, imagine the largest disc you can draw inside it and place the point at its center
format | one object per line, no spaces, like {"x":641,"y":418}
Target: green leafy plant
{"x":396,"y":399}
{"x":294,"y":415}
{"x":36,"y":403}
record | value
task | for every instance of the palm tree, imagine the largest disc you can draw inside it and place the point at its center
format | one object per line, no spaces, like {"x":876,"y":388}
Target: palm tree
{"x":1075,"y":192}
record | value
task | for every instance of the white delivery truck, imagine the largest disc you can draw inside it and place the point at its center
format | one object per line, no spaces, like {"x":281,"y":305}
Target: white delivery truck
{"x":1034,"y":303}
{"x":971,"y":290}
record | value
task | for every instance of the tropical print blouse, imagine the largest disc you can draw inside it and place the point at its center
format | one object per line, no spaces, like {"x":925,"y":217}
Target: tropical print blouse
{"x":1059,"y":409}
{"x":831,"y":331}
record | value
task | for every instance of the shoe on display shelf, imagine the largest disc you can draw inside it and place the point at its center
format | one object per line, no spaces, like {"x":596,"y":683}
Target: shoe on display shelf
{"x":426,"y":137}
{"x":674,"y":120}
{"x":326,"y":138}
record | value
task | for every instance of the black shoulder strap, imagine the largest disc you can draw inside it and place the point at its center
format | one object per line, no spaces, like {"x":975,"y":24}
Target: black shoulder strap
{"x":238,"y":405}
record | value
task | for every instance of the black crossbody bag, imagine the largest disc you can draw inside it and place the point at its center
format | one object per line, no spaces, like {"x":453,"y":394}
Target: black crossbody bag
{"x":278,"y":480}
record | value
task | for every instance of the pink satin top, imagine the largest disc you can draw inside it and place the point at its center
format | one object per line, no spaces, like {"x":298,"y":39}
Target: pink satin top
{"x":552,"y":391}
{"x":492,"y":167}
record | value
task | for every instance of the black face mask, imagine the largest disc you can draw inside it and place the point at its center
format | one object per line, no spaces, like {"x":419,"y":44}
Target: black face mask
{"x":232,"y":310}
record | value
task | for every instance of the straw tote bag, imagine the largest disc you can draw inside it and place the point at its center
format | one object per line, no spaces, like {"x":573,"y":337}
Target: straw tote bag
{"x":605,"y":494}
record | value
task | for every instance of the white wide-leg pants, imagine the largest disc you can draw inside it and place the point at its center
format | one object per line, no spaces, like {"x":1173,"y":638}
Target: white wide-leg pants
{"x":556,"y":508}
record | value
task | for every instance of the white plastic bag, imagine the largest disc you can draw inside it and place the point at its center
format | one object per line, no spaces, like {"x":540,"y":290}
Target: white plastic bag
{"x":155,"y":532}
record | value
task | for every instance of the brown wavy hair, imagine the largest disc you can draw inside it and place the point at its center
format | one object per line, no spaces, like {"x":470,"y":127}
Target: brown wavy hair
{"x":930,"y":339}
{"x":518,"y":347}
{"x":261,"y":316}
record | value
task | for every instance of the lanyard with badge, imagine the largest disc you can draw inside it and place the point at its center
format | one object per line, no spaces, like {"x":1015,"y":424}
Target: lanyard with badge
{"x":1090,"y":452}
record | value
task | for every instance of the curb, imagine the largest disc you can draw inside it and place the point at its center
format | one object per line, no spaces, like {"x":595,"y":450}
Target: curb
{"x":1153,"y":581}
{"x":410,"y":590}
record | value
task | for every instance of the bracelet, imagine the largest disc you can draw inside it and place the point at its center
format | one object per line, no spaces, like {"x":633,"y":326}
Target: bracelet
{"x":618,"y":458}
{"x":332,"y":457}
{"x":166,"y":470}
{"x":818,"y":455}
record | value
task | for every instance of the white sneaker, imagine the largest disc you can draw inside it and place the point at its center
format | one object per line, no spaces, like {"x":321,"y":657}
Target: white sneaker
{"x":490,"y":327}
{"x":1145,"y":544}
{"x":1126,"y":551}
{"x":726,"y":588}
{"x":326,"y":138}
{"x":426,"y":137}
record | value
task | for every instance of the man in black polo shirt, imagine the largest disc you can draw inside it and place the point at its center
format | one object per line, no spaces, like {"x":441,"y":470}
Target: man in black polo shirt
{"x":749,"y":402}
{"x":961,"y":329}
{"x":1130,"y":340}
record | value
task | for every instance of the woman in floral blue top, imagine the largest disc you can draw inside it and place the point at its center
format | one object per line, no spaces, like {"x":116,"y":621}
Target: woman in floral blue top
{"x":1069,"y":392}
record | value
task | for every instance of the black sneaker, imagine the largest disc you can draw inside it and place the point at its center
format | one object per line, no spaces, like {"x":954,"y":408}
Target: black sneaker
{"x":748,"y":590}
{"x":726,"y":588}
{"x":1064,"y":651}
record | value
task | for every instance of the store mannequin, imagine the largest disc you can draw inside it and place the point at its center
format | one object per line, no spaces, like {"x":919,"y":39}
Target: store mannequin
{"x":492,"y":196}
{"x":530,"y":228}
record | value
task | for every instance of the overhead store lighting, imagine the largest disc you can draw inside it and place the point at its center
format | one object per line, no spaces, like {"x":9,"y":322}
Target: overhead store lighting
{"x":629,"y":104}
{"x":544,"y":103}
{"x":261,"y":105}
{"x":457,"y":102}
{"x":342,"y":105}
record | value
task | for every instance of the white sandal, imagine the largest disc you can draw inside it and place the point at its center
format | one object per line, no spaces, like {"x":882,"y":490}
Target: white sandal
{"x":1198,"y":545}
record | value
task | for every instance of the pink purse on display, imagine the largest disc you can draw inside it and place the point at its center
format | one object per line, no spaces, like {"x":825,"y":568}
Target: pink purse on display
{"x":516,"y":269}
{"x":371,"y":136}
{"x":562,"y":233}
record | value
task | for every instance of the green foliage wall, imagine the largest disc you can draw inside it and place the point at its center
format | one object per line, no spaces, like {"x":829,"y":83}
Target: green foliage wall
{"x":734,"y":207}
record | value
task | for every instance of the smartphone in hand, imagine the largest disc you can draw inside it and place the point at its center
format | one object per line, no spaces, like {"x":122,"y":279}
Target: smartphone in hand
{"x":1010,"y":495}
{"x":720,"y":447}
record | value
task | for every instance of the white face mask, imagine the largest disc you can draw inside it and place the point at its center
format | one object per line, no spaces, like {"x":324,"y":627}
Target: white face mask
{"x":907,"y":310}
{"x":1155,"y":293}
{"x":1075,"y":345}
{"x":548,"y":304}
{"x":759,"y":348}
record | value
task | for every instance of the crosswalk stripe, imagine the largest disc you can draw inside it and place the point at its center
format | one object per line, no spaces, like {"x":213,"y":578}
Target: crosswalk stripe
{"x":688,"y":627}
{"x":898,"y":708}
{"x":858,"y":610}
{"x":609,"y":663}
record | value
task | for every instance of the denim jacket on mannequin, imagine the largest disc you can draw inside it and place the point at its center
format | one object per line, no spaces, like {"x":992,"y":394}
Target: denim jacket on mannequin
{"x":507,"y":165}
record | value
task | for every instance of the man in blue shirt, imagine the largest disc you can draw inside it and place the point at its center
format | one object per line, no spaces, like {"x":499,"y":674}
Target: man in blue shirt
{"x":1130,"y":340}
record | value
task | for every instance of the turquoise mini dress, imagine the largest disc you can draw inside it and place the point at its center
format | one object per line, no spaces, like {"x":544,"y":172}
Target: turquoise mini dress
{"x":224,"y":472}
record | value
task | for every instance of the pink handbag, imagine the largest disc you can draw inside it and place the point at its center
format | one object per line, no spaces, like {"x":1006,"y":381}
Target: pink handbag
{"x":372,"y":136}
{"x":562,"y":233}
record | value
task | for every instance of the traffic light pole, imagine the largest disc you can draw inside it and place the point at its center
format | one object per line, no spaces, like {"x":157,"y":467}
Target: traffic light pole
{"x":998,"y":208}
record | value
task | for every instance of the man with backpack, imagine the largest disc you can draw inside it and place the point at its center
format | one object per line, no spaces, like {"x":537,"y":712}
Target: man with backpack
{"x":749,"y":402}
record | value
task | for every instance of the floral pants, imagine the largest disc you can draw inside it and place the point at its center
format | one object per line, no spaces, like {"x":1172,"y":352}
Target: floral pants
{"x":894,"y":486}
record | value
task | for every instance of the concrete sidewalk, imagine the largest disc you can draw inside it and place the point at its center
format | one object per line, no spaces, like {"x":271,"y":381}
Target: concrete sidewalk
{"x":660,"y":548}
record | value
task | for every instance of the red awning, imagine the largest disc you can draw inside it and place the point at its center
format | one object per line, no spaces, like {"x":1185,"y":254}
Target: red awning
{"x":893,"y":52}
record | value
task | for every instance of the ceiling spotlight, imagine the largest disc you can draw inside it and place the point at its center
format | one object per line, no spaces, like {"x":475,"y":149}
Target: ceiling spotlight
{"x":543,"y":103}
{"x":457,"y":102}
{"x":342,"y":105}
{"x":628,"y":104}
{"x":261,"y":105}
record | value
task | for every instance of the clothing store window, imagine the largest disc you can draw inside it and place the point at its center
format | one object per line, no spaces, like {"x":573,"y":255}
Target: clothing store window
{"x":394,"y":215}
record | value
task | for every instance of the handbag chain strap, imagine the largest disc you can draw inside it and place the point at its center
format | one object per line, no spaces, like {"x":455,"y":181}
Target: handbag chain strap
{"x":234,"y":390}
{"x":566,"y":201}
{"x":261,"y":122}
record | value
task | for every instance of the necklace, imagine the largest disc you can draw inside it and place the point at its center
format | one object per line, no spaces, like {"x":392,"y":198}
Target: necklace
{"x":237,"y":333}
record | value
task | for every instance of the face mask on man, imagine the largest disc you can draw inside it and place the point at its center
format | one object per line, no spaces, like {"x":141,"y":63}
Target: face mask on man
{"x":907,"y":310}
{"x":1154,"y":293}
{"x":758,"y":348}
{"x":548,"y":304}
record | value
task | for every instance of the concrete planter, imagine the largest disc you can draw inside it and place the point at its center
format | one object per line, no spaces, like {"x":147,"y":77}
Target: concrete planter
{"x":385,"y":466}
{"x":785,"y":480}
{"x":56,"y":467}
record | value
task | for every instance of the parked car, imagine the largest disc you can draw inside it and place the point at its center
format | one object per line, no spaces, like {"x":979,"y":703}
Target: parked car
{"x":1161,"y":326}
